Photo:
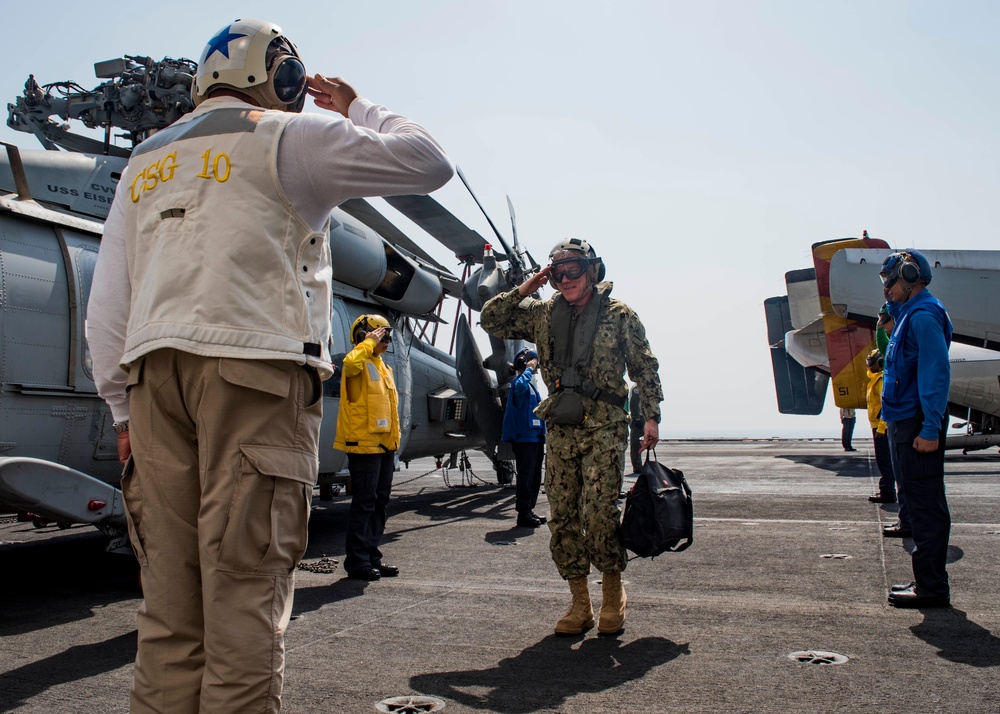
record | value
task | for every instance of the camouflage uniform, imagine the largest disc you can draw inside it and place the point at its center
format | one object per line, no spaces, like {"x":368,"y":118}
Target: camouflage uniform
{"x":584,"y":463}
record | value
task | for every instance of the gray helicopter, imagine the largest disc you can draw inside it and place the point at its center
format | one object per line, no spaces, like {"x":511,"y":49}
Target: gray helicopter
{"x":58,"y":459}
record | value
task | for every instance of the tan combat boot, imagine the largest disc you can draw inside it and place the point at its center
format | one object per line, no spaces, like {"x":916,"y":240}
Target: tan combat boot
{"x":613,"y":599}
{"x":580,"y":615}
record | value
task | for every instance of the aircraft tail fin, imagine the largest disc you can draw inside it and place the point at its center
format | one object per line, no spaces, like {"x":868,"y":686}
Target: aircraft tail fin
{"x":800,"y":390}
{"x":848,"y":341}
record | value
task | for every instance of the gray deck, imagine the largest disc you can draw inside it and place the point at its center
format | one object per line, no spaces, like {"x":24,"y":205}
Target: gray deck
{"x":469,"y":621}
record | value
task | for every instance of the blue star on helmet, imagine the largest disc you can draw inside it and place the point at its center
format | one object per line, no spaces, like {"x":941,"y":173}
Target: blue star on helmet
{"x":220,"y":43}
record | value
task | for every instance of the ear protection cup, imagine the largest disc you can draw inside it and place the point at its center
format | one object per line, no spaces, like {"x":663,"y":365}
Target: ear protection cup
{"x":909,"y":273}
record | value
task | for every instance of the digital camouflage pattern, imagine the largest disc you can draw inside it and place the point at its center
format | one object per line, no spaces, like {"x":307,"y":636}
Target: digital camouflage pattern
{"x":584,"y":463}
{"x":583,"y":478}
{"x":620,"y":345}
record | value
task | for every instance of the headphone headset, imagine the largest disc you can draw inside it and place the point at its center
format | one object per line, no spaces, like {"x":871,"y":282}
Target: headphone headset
{"x":256,"y":59}
{"x":909,"y":273}
{"x":522,"y":358}
{"x":909,"y":266}
{"x":595,"y":265}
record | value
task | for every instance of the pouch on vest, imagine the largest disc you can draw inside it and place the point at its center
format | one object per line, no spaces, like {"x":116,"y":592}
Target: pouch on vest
{"x":564,"y":408}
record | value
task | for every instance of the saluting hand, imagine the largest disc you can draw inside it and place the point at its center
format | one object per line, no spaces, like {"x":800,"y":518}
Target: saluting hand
{"x":333,"y":94}
{"x":536,"y":281}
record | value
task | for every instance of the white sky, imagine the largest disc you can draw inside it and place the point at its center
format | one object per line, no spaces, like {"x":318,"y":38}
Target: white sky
{"x":701,"y":147}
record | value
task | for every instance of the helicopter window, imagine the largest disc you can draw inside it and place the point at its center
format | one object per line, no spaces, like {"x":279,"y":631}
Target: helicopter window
{"x":82,"y":258}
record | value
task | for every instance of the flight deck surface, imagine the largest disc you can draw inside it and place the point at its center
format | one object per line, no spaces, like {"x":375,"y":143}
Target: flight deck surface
{"x":788,"y":558}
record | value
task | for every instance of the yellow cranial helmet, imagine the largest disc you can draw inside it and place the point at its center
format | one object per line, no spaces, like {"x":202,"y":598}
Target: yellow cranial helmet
{"x":365,"y":324}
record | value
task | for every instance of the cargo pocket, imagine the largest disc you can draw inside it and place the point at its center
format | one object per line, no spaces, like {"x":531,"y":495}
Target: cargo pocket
{"x":267,"y":526}
{"x":134,"y":373}
{"x":256,"y":374}
{"x":132,"y":494}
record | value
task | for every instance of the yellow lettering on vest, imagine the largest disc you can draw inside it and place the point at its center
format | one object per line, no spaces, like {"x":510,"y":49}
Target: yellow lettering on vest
{"x":215,"y":164}
{"x":168,"y":166}
{"x":204,"y":169}
{"x":215,"y":168}
{"x":151,"y":178}
{"x":135,"y":196}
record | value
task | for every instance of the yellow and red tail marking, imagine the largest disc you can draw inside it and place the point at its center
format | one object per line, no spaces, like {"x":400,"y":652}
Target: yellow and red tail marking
{"x":848,"y":342}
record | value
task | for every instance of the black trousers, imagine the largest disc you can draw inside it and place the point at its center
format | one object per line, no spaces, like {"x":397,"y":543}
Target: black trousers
{"x":922,"y":478}
{"x":847,"y":432}
{"x":371,"y":484}
{"x":528,"y":457}
{"x":883,"y":458}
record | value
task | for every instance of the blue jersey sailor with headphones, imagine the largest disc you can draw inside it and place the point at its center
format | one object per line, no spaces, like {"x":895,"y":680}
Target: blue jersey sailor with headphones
{"x":525,"y":431}
{"x":586,"y":340}
{"x":915,"y":385}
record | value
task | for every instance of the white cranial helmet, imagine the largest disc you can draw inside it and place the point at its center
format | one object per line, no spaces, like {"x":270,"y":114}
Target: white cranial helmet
{"x":255,"y":58}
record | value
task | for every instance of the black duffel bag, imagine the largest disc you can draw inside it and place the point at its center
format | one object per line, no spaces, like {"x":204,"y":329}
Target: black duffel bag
{"x":659,"y":514}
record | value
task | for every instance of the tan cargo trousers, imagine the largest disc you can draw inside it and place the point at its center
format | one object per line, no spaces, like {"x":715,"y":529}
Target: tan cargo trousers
{"x":218,"y":506}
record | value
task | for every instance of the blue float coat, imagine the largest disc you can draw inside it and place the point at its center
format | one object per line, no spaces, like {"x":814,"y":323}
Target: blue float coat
{"x":917,"y":371}
{"x":520,"y":423}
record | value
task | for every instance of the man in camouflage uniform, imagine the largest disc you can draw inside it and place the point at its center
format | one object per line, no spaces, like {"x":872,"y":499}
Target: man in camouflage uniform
{"x":585,"y":341}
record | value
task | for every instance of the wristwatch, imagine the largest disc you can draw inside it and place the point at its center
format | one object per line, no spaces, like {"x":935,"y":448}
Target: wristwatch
{"x":120,"y":426}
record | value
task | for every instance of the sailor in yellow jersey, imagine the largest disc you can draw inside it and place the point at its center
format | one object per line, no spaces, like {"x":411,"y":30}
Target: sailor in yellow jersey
{"x":368,"y":430}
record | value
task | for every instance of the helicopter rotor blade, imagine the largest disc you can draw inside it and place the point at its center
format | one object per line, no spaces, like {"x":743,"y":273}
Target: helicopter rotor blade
{"x":438,"y":221}
{"x":517,"y":244}
{"x":472,"y":193}
{"x":365,"y":212}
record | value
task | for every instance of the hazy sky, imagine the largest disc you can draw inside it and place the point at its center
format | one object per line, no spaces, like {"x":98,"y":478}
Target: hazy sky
{"x":701,"y":147}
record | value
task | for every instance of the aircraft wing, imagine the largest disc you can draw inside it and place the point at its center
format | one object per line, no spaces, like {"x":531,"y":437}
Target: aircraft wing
{"x":434,"y":218}
{"x":806,"y":347}
{"x":966,"y":281}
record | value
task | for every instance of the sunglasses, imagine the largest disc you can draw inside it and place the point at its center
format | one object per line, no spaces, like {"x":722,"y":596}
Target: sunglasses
{"x":571,"y":269}
{"x":387,"y":337}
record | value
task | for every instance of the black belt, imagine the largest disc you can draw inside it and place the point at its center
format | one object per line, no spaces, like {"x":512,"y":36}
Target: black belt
{"x":358,"y":443}
{"x":598,"y":395}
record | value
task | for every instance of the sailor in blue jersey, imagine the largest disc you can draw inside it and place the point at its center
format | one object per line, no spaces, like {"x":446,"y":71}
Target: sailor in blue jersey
{"x":914,"y":405}
{"x":525,"y":431}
